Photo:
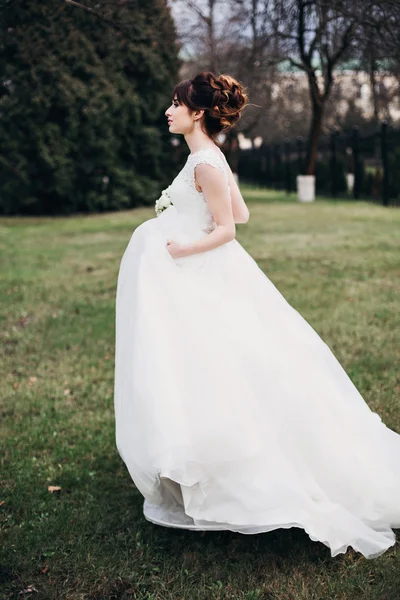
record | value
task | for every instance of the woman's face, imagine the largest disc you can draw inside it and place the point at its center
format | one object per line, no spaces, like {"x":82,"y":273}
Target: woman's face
{"x":180,"y":119}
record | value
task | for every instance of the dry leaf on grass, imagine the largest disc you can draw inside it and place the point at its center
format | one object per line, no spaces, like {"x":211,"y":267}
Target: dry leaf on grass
{"x":28,"y":590}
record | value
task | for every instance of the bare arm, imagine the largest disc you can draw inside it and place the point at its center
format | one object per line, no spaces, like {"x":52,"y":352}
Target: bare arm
{"x":240,"y":211}
{"x":216,"y":193}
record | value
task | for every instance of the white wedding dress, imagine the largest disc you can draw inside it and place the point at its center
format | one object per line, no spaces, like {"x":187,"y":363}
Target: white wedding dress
{"x":231,"y":412}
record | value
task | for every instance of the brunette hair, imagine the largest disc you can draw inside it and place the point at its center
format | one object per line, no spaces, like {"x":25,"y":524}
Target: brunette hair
{"x":222,"y":98}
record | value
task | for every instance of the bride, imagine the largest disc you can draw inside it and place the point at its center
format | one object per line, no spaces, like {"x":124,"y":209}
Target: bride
{"x":231,"y":412}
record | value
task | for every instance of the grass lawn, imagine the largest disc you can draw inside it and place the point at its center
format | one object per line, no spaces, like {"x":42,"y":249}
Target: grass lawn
{"x":337,"y":263}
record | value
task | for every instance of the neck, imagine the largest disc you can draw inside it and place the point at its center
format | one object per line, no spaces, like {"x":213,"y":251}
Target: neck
{"x":198,"y":139}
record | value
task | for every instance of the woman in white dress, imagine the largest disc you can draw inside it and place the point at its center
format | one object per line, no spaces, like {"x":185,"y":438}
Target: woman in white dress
{"x":231,"y":412}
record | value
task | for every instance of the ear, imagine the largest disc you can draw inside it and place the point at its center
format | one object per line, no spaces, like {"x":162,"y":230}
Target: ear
{"x":198,"y":114}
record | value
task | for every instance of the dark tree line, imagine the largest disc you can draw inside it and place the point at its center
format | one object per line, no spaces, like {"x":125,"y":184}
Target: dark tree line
{"x":82,"y":100}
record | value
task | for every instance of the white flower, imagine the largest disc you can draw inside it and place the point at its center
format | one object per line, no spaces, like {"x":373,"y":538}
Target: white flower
{"x":163,"y":202}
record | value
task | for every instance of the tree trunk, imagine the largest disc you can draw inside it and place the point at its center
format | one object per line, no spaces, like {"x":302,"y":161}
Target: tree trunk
{"x":313,"y":137}
{"x":372,"y":82}
{"x":211,"y":37}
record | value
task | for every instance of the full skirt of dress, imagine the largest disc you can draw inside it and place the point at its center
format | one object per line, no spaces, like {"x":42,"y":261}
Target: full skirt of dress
{"x":232,"y":413}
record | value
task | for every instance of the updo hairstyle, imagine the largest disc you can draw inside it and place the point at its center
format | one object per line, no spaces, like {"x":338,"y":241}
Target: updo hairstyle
{"x":222,"y":98}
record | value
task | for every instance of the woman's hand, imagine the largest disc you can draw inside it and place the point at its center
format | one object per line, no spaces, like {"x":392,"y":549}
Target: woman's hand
{"x":176,"y":250}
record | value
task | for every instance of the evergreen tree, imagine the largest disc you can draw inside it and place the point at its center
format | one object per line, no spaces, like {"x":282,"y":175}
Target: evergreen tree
{"x":82,"y":101}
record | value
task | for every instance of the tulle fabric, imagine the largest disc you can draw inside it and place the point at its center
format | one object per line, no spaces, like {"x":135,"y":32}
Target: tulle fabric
{"x":231,"y":412}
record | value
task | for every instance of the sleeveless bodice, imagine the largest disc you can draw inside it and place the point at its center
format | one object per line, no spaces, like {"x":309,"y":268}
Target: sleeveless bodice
{"x":191,"y":204}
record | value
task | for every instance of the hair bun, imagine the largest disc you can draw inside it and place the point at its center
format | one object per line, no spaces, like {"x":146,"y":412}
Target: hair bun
{"x":229,"y":99}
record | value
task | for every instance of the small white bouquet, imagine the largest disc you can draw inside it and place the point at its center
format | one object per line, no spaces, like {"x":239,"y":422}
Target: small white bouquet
{"x":163,"y":202}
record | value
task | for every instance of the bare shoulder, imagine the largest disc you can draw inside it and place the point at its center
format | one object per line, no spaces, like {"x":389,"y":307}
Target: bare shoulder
{"x":207,"y":170}
{"x":208,"y":177}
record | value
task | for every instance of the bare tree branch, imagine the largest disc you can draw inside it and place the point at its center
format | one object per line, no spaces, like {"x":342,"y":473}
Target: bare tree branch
{"x":93,"y":11}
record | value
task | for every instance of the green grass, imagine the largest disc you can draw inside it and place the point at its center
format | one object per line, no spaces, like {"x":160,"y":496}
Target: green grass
{"x":337,"y":263}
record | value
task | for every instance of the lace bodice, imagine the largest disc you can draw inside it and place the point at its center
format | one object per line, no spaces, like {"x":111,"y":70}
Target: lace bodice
{"x":188,"y":201}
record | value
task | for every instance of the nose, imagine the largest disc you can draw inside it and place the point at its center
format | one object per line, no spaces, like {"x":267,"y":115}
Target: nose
{"x":167,"y":113}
